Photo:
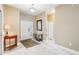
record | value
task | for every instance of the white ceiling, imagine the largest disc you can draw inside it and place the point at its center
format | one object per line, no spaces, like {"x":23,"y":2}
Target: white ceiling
{"x":25,"y":8}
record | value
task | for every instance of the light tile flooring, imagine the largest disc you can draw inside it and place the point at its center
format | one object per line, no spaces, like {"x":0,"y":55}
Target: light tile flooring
{"x":44,"y":48}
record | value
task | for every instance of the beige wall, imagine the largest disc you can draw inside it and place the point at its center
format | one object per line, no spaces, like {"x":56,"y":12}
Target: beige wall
{"x":27,"y":17}
{"x":66,"y":27}
{"x":11,"y":18}
{"x":42,"y":16}
{"x":50,"y":17}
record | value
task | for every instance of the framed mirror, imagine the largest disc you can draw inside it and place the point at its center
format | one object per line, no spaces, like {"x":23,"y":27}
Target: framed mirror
{"x":39,"y":25}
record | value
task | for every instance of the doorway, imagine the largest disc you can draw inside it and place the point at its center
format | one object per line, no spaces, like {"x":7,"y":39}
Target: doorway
{"x":26,"y":29}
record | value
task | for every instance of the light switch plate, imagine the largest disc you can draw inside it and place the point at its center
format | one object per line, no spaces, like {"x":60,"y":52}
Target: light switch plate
{"x":70,"y":44}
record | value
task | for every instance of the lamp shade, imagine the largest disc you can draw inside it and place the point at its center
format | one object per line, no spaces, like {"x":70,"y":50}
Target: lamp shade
{"x":7,"y":27}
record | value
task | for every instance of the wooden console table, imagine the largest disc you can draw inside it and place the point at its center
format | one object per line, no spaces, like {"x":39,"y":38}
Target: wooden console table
{"x":10,"y":42}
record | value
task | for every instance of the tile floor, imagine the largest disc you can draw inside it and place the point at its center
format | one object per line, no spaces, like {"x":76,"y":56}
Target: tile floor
{"x":44,"y":48}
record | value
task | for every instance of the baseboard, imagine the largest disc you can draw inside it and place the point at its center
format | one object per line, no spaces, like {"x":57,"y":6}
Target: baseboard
{"x":68,"y":49}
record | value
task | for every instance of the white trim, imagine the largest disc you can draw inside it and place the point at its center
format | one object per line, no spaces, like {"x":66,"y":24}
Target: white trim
{"x":68,"y":49}
{"x":37,"y":41}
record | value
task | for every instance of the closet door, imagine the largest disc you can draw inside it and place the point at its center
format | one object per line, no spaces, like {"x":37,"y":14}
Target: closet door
{"x":26,"y":30}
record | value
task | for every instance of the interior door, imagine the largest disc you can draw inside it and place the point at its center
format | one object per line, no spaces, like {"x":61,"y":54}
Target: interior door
{"x":50,"y":30}
{"x":26,"y":30}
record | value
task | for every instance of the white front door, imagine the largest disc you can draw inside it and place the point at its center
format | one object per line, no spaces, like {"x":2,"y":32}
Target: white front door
{"x":26,"y":30}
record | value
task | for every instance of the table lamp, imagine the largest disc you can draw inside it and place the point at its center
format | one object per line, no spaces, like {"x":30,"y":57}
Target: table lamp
{"x":7,"y":28}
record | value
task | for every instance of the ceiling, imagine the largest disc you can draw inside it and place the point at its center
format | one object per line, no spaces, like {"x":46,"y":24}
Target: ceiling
{"x":25,"y":8}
